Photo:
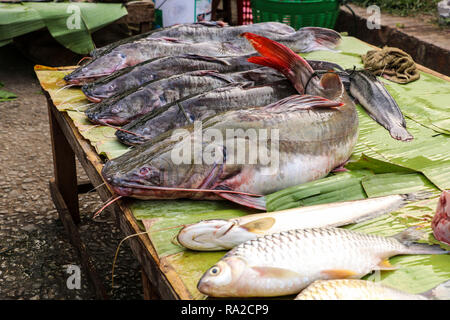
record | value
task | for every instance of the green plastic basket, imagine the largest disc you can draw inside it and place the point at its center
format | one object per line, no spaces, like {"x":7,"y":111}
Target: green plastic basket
{"x":297,"y":13}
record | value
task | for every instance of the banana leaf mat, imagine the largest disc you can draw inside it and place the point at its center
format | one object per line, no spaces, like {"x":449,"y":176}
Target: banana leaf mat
{"x":380,"y":166}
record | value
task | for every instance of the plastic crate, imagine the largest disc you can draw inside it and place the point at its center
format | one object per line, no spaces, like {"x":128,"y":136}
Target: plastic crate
{"x":244,"y":10}
{"x":297,"y":13}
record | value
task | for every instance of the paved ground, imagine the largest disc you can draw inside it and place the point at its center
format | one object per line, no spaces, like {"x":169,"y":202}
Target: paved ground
{"x":34,"y":252}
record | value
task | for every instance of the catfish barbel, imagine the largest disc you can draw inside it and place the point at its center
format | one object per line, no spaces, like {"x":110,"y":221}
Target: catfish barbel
{"x":123,"y":108}
{"x":355,"y":289}
{"x":284,"y":263}
{"x":130,"y":54}
{"x":196,"y":108}
{"x":214,"y":235}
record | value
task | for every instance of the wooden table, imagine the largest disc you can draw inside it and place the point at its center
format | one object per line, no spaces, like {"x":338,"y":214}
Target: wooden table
{"x":67,"y":143}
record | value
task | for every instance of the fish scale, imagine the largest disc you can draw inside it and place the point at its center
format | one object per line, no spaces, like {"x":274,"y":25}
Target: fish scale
{"x":288,"y":261}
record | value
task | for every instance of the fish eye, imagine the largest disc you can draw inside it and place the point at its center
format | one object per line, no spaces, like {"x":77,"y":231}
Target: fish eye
{"x":121,"y":55}
{"x":115,"y":109}
{"x":111,"y":87}
{"x":145,"y":171}
{"x":214,"y":271}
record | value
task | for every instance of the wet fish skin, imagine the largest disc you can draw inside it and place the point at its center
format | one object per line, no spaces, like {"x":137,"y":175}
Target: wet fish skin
{"x":353,"y":289}
{"x":313,"y":139}
{"x":285,"y":263}
{"x":201,"y":106}
{"x":120,"y":110}
{"x":132,"y":53}
{"x":379,"y":104}
{"x":159,"y":68}
{"x":213,"y":30}
{"x":215,"y":235}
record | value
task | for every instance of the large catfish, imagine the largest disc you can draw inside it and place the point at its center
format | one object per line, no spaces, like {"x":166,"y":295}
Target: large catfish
{"x":312,"y":135}
{"x":132,"y":53}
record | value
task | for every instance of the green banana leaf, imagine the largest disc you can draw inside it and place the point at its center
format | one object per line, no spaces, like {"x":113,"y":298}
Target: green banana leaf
{"x":71,"y":24}
{"x":379,"y":166}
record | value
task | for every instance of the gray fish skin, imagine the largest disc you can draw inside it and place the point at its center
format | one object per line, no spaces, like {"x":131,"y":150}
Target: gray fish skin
{"x":314,"y":137}
{"x":202,"y":31}
{"x":120,"y":110}
{"x":202,"y":106}
{"x":159,"y":68}
{"x":132,"y":53}
{"x":379,"y":104}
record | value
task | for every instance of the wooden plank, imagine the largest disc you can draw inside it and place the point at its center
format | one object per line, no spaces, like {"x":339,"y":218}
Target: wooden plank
{"x":75,"y":240}
{"x":64,"y":166}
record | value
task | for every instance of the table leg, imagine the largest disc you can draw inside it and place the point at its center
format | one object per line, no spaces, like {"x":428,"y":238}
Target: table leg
{"x":64,"y":167}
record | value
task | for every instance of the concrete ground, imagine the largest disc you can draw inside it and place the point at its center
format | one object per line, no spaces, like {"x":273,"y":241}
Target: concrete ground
{"x":34,"y":251}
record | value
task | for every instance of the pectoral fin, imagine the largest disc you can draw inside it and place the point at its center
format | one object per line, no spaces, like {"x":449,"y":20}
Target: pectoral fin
{"x":339,"y":273}
{"x":260,"y":225}
{"x":385,"y":265}
{"x":278,"y":273}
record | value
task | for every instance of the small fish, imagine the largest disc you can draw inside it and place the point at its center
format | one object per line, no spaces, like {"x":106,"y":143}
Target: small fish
{"x":132,"y":53}
{"x":379,"y":104}
{"x":441,"y":220}
{"x":353,"y":289}
{"x":121,"y":109}
{"x":214,"y":235}
{"x":159,"y":68}
{"x":180,"y":113}
{"x":284,"y":263}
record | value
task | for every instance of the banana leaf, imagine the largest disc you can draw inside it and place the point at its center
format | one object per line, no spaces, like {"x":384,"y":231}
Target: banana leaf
{"x":71,"y":24}
{"x":379,"y":166}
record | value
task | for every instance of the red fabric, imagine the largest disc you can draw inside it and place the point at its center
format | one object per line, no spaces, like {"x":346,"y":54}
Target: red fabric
{"x":244,"y":12}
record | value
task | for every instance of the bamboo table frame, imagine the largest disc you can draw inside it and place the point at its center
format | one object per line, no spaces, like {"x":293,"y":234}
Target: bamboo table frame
{"x":159,"y":281}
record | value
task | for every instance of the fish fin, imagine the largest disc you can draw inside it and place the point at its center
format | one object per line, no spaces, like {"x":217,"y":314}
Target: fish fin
{"x":332,"y":84}
{"x":400,"y":133}
{"x":272,"y":272}
{"x":440,"y":292}
{"x":269,"y":62}
{"x":301,"y":102}
{"x":339,"y":273}
{"x":207,"y":58}
{"x":325,"y":39}
{"x":385,"y":265}
{"x":408,"y":236}
{"x":259,"y":225}
{"x":287,"y":61}
{"x":245,"y":200}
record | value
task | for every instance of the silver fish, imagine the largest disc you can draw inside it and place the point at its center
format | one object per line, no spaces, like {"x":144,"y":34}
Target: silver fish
{"x":352,"y":289}
{"x":285,"y":263}
{"x":213,"y":235}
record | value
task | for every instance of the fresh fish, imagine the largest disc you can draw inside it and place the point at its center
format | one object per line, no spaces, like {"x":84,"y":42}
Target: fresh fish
{"x":132,"y":53}
{"x":285,"y":263}
{"x":441,"y":220}
{"x":121,"y":109}
{"x":312,"y":136}
{"x":379,"y":104}
{"x":304,"y":138}
{"x":205,"y":31}
{"x":202,"y":106}
{"x":353,"y":289}
{"x":214,"y":235}
{"x":160,"y":68}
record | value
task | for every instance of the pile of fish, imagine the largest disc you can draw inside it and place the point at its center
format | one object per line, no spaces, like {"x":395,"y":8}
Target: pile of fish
{"x":172,"y":87}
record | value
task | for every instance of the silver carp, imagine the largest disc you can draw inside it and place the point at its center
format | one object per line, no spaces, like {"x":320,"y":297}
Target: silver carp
{"x":287,"y":262}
